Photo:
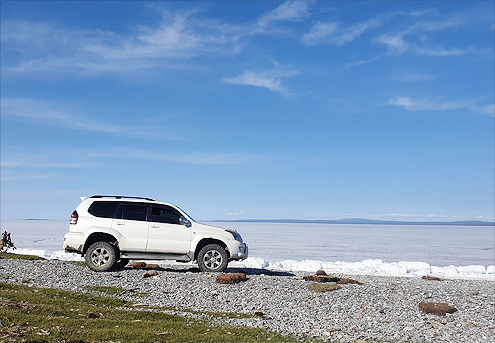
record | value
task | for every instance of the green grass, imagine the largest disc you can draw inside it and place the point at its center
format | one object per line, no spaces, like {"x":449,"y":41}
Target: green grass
{"x":12,"y":256}
{"x":31,"y":314}
{"x":106,"y":289}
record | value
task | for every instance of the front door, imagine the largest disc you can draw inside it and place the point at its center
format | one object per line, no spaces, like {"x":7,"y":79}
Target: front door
{"x":166,"y":235}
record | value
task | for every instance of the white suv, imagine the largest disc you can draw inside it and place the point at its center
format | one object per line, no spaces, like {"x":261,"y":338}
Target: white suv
{"x":111,"y":230}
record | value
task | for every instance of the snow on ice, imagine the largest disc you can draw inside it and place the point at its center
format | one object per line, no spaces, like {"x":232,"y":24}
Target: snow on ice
{"x":410,"y":251}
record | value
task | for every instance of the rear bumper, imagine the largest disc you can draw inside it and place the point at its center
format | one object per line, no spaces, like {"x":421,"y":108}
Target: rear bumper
{"x":72,"y":243}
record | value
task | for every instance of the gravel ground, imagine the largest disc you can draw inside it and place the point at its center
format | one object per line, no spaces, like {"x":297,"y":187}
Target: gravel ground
{"x":382,"y":309}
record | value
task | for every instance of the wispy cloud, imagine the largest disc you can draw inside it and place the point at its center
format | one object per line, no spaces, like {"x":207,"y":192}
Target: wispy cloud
{"x":16,"y":159}
{"x":431,"y":105}
{"x":193,"y":158}
{"x":334,"y":34}
{"x":174,"y":41}
{"x":177,"y":37}
{"x":288,"y":11}
{"x":409,"y":76}
{"x":19,"y":164}
{"x":61,"y":115}
{"x":414,"y":36}
{"x":270,"y":80}
{"x":395,"y":43}
{"x":441,"y":52}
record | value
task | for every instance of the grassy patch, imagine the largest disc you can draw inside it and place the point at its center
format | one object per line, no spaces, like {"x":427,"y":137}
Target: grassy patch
{"x":12,"y":256}
{"x":39,"y":314}
{"x":106,"y":289}
{"x":323,"y":287}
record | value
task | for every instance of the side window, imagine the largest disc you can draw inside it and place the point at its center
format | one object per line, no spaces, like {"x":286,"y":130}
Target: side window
{"x":132,"y":211}
{"x":103,"y":209}
{"x":164,"y":214}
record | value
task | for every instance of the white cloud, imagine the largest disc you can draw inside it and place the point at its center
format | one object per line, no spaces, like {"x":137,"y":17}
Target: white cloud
{"x":252,"y":79}
{"x":289,"y":10}
{"x":417,"y":77}
{"x":270,"y":80}
{"x":430,"y":105}
{"x":333,"y":34}
{"x":417,"y":33}
{"x":60,"y":115}
{"x":194,"y":158}
{"x":171,"y":42}
{"x":440,"y":52}
{"x":168,"y":43}
{"x":361,"y":62}
{"x":396,"y":43}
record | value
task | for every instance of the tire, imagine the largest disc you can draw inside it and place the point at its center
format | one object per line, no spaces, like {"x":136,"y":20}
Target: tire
{"x":101,"y":256}
{"x":212,"y":258}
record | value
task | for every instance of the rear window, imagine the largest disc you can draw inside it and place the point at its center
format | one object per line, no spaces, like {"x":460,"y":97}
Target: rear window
{"x":103,"y":209}
{"x":132,"y":211}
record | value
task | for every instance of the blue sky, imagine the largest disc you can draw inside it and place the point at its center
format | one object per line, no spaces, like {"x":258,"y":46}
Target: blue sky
{"x":257,"y":109}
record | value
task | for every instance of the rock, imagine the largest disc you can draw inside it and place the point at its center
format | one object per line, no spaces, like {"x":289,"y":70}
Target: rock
{"x":150,"y":273}
{"x":432,"y":278}
{"x":349,"y":281}
{"x":152,"y":266}
{"x":137,"y":265}
{"x":231,"y":278}
{"x":321,"y":272}
{"x":439,"y":309}
{"x":259,"y":314}
{"x":320,"y":278}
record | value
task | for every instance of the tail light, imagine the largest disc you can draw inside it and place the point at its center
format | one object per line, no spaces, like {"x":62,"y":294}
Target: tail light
{"x":74,"y":217}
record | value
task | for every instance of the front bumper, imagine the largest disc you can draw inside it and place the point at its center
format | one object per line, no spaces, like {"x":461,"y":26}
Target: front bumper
{"x":242,"y":252}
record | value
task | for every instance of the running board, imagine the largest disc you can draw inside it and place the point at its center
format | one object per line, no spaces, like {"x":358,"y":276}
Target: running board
{"x":153,"y":256}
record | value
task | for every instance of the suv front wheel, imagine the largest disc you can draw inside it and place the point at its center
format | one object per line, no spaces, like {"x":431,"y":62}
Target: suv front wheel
{"x":212,"y":258}
{"x":101,"y":256}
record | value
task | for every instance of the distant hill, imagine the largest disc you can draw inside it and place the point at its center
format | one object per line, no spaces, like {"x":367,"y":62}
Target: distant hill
{"x":356,"y":221}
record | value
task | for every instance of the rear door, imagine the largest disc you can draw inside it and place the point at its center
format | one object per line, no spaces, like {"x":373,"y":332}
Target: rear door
{"x":166,"y":235}
{"x":131,"y":226}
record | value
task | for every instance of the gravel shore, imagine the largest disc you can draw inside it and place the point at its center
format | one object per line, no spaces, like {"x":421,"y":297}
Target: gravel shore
{"x":382,"y":309}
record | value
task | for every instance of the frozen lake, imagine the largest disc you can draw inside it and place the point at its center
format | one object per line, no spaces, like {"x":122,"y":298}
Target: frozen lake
{"x":436,"y":245}
{"x":404,"y":250}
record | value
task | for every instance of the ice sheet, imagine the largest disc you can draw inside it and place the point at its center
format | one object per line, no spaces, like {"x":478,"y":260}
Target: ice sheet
{"x":402,"y":250}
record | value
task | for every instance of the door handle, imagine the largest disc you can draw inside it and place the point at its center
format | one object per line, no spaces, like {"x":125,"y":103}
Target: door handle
{"x":120,"y":223}
{"x":155,"y":226}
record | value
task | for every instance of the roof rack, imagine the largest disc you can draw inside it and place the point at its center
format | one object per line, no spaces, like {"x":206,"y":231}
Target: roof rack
{"x":120,"y":197}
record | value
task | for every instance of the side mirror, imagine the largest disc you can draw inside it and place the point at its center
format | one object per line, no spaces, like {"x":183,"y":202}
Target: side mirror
{"x":183,"y":221}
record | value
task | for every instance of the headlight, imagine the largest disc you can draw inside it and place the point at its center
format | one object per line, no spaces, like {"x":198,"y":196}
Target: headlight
{"x":236,"y":235}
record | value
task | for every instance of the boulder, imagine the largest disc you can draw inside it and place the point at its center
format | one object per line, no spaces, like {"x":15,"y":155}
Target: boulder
{"x":320,"y":278}
{"x":432,"y":278}
{"x":152,"y":266}
{"x":439,"y":309}
{"x":137,"y":265}
{"x":150,"y":273}
{"x":231,"y":278}
{"x":349,"y":281}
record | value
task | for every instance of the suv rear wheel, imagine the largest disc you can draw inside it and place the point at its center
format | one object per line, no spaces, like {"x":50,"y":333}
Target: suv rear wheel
{"x":212,"y":258}
{"x":101,"y":256}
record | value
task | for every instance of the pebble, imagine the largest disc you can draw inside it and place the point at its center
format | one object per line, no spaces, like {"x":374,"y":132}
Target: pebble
{"x":383,"y":308}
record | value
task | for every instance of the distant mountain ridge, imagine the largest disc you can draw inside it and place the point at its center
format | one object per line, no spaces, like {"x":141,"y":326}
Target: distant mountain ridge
{"x":360,"y":221}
